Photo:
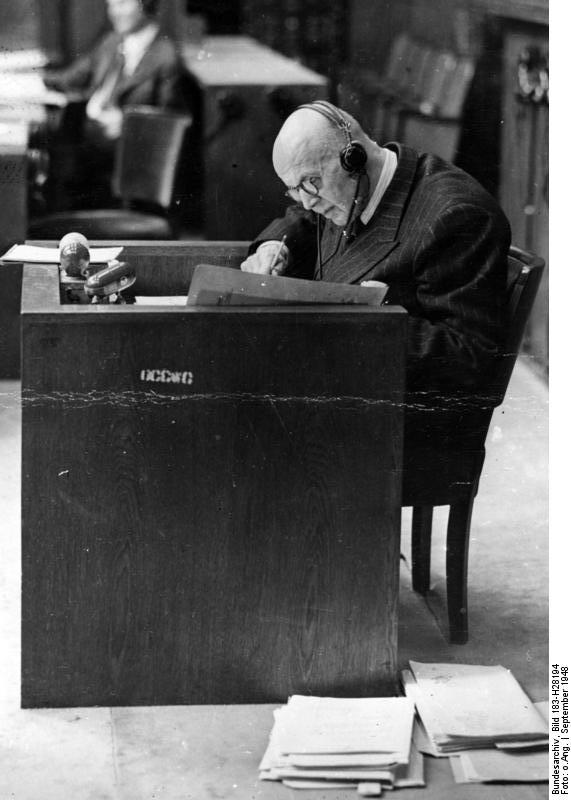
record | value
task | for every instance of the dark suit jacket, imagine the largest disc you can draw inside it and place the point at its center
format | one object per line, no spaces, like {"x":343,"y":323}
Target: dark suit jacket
{"x":158,"y":79}
{"x":440,"y":242}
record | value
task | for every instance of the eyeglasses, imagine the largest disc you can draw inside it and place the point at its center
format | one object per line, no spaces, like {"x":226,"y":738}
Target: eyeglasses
{"x":307,"y":185}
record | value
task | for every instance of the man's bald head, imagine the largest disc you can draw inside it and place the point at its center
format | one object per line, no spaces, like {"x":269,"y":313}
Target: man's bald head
{"x":306,"y":158}
{"x":306,"y":139}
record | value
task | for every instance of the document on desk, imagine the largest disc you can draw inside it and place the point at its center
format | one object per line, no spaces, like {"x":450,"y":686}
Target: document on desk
{"x":222,"y":286}
{"x":23,"y":60}
{"x":32,"y":254}
{"x":161,"y":300}
{"x":27,"y":86}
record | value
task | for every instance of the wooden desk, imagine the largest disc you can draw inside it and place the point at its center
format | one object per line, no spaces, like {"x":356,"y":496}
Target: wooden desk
{"x":13,"y":228}
{"x":245,"y":92}
{"x":228,"y":537}
{"x":24,"y":102}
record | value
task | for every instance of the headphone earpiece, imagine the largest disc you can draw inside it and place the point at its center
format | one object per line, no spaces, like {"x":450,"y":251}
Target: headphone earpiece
{"x":353,"y":157}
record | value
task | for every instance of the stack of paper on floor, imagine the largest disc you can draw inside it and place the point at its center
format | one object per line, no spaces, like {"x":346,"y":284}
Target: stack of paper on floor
{"x":465,"y":706}
{"x":324,"y":742}
{"x":492,"y":765}
{"x":482,"y":718}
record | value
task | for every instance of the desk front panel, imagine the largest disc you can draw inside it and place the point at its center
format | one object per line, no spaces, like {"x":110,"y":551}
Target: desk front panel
{"x":211,"y":506}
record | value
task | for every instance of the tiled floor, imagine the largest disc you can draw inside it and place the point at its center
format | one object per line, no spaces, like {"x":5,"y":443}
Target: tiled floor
{"x":212,"y":752}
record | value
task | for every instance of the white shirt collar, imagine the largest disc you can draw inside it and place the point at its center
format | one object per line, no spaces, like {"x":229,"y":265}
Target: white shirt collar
{"x":386,"y":176}
{"x":135,"y":45}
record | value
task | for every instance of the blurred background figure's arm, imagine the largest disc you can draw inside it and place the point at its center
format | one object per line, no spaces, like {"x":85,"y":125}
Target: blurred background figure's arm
{"x":74,"y":79}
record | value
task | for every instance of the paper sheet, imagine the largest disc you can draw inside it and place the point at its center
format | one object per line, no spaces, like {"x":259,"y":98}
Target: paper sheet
{"x":323,"y":725}
{"x":488,"y":765}
{"x":162,"y":300}
{"x":464,"y":704}
{"x":491,"y":765}
{"x":33,"y":254}
{"x":318,"y":785}
{"x":411,"y":774}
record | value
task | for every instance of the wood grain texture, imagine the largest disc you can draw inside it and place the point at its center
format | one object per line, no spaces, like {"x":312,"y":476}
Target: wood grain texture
{"x":231,"y":540}
{"x":13,"y":216}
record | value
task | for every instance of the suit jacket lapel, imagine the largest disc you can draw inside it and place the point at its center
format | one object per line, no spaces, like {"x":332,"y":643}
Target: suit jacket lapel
{"x":107,"y":55}
{"x":146,"y":66}
{"x":379,"y":237}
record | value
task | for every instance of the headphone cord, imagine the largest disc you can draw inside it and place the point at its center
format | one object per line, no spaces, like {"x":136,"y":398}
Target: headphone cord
{"x":343,"y":233}
{"x":318,"y":228}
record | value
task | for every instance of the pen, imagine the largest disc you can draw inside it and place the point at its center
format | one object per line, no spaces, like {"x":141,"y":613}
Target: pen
{"x":277,"y":254}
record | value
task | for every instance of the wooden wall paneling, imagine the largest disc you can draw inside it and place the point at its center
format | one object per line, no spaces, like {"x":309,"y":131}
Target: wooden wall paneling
{"x":86,"y":20}
{"x":524,"y":171}
{"x":372,"y":30}
{"x":537,"y":335}
{"x":19,"y":25}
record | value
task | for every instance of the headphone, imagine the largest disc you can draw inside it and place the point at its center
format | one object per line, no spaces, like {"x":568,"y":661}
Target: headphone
{"x":353,"y":155}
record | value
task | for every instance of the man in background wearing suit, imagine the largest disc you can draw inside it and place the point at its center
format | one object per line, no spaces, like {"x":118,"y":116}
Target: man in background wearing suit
{"x":413,"y":221}
{"x":132,"y":65}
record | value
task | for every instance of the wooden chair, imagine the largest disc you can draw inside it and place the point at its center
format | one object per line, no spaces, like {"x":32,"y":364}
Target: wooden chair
{"x":442,"y":466}
{"x":144,"y":173}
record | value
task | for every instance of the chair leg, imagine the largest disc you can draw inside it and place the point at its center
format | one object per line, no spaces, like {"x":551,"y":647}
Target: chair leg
{"x":458,"y":537}
{"x":421,"y":542}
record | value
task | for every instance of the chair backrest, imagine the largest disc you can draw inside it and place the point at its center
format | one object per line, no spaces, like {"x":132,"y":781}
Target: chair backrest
{"x":524,"y":275}
{"x":407,"y":67}
{"x":148,"y":153}
{"x":417,"y":72}
{"x":397,"y":60}
{"x":455,"y":88}
{"x":433,"y":90}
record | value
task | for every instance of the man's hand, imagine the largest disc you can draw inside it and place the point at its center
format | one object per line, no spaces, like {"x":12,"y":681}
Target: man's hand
{"x":111,"y":122}
{"x":270,"y":257}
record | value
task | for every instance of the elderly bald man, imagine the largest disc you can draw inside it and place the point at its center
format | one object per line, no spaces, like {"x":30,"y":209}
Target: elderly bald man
{"x":388,"y":213}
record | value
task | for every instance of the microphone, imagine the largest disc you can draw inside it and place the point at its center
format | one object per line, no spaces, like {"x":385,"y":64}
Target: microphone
{"x":74,"y":255}
{"x":113,"y":279}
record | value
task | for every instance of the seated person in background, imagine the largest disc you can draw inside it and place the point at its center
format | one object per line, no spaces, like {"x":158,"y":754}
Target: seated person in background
{"x":133,"y":65}
{"x":427,"y":229}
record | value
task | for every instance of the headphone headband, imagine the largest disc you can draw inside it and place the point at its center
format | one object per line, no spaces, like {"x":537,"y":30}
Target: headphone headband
{"x":353,"y":156}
